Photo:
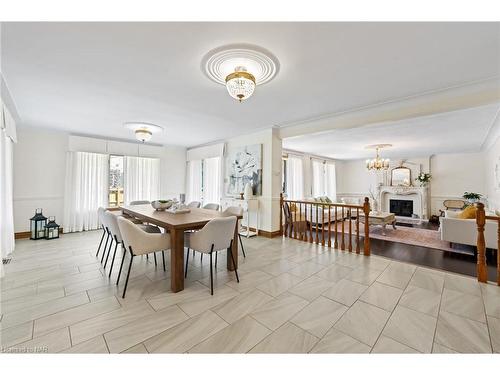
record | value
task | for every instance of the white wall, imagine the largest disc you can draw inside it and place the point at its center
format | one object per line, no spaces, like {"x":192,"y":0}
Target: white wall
{"x":271,"y":174}
{"x":40,"y":168}
{"x":492,"y":157}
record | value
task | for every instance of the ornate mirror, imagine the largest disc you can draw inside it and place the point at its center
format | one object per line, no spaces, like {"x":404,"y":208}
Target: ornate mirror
{"x":401,"y":176}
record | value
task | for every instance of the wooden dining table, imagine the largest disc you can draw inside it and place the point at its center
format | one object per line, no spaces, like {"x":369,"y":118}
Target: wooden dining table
{"x":177,"y":224}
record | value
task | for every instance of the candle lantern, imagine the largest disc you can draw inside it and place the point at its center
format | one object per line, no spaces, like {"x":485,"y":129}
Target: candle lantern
{"x":37,"y":225}
{"x":51,"y":229}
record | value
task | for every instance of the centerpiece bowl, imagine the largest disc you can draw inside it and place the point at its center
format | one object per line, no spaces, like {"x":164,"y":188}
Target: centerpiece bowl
{"x":162,"y":205}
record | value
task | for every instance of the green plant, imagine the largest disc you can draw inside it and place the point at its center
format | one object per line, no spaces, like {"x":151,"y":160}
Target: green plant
{"x":423,"y":177}
{"x":472,"y":196}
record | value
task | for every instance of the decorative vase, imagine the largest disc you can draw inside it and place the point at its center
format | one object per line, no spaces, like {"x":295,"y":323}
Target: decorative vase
{"x":248,"y":192}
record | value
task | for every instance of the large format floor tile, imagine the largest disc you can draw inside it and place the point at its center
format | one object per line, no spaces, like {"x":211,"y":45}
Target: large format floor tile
{"x":466,"y":305}
{"x":241,"y":305}
{"x":274,"y":313}
{"x":384,"y":296}
{"x":338,"y":342}
{"x":389,"y":346}
{"x":287,"y":339}
{"x":345,"y":292}
{"x":423,"y":300}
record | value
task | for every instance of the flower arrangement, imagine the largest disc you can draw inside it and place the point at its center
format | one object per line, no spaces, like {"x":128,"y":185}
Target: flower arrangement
{"x":423,"y":178}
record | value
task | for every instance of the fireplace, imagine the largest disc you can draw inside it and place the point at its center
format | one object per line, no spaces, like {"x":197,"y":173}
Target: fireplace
{"x":401,"y":207}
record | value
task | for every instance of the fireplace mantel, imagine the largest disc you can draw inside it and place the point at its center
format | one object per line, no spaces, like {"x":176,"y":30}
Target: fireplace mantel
{"x":402,"y":191}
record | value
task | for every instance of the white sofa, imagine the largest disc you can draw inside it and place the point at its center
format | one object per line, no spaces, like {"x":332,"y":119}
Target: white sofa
{"x":464,"y":231}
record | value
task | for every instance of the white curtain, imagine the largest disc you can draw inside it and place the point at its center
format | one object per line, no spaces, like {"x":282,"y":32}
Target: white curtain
{"x":141,"y":179}
{"x":6,"y":209}
{"x":211,"y":180}
{"x":330,"y":181}
{"x":86,"y":190}
{"x":294,"y":178}
{"x":193,"y":183}
{"x":318,"y":182}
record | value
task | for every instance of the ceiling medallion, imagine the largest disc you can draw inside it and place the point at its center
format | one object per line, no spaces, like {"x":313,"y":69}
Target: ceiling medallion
{"x":240,"y":67}
{"x":143,"y":130}
{"x":377,"y":163}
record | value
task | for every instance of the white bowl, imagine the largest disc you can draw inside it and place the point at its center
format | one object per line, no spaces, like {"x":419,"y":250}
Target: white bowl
{"x":159,"y":206}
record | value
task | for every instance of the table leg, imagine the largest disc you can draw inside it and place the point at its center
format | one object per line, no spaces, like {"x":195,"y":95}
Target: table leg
{"x":383,"y":229}
{"x":177,"y":260}
{"x":234,"y":250}
{"x":394,"y":224}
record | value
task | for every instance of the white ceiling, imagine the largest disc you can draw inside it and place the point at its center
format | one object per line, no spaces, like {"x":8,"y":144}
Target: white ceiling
{"x":457,"y":131}
{"x":90,"y":78}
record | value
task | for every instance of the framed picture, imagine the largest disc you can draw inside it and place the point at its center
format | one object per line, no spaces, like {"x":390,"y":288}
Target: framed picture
{"x":244,"y":165}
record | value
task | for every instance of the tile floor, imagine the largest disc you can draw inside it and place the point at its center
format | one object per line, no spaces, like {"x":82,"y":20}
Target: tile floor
{"x":293,"y":297}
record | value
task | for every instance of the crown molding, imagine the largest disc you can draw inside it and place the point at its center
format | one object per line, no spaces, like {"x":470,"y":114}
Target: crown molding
{"x":471,"y":94}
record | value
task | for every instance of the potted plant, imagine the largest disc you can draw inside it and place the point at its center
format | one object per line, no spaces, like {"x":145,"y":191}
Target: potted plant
{"x":423,"y":178}
{"x":472,"y":197}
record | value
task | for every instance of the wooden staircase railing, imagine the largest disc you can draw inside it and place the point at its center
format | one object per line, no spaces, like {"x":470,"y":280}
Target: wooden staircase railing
{"x":482,"y":270}
{"x":312,"y":222}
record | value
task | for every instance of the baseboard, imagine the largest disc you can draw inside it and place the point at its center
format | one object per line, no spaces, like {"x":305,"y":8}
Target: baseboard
{"x":22,"y":235}
{"x":264,"y":233}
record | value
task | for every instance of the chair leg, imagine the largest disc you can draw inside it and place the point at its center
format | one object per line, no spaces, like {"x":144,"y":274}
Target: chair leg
{"x":234,"y":264}
{"x":163,"y":256}
{"x":216,"y":259}
{"x":201,"y":258}
{"x":242,"y":248}
{"x":187,"y":260}
{"x":147,"y":257}
{"x":113,"y":259}
{"x":128,"y":275}
{"x":156,"y":264}
{"x":109,"y":251}
{"x":104,"y":249}
{"x":100,"y":243}
{"x":211,"y":277}
{"x":121,"y":265}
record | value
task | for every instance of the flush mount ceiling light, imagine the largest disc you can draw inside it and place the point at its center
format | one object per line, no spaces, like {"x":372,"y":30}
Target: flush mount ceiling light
{"x":143,"y":130}
{"x":240,"y":67}
{"x":377,"y":163}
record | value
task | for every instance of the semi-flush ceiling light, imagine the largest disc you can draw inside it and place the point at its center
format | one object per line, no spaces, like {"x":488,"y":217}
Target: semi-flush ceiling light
{"x":240,"y":84}
{"x":240,"y":67}
{"x":143,"y":130}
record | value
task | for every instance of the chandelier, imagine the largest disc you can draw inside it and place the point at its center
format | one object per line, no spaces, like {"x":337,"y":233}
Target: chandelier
{"x":240,"y":84}
{"x":377,"y":164}
{"x":143,"y":130}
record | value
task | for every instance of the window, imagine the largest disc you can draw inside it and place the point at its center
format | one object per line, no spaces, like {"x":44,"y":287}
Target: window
{"x":323,"y":183}
{"x":293,"y":180}
{"x":115,"y":180}
{"x":204,"y":177}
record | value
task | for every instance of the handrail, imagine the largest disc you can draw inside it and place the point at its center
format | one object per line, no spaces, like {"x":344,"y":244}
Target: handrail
{"x":309,"y":219}
{"x":481,"y":268}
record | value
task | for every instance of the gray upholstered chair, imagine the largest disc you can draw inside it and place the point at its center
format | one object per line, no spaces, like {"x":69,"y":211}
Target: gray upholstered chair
{"x":215,"y":236}
{"x":139,"y":242}
{"x":100,"y":213}
{"x":235,"y":211}
{"x":212,"y":206}
{"x":112,"y":221}
{"x":194,"y":204}
{"x":136,"y":203}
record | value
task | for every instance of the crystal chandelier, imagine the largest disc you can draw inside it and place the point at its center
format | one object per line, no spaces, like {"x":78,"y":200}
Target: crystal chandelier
{"x":377,"y":163}
{"x":240,"y":84}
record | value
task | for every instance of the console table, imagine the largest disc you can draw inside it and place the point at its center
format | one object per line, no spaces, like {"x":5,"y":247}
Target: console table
{"x":250,"y":213}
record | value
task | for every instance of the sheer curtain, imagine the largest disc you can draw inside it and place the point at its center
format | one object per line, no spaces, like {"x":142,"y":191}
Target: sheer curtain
{"x":193,"y":183}
{"x":294,"y":178}
{"x":86,"y":190}
{"x":141,"y":178}
{"x":211,"y":180}
{"x":6,"y":209}
{"x":330,"y":181}
{"x":318,"y":174}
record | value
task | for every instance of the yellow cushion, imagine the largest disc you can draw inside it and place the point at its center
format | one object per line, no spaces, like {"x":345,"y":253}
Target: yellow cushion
{"x":468,"y":213}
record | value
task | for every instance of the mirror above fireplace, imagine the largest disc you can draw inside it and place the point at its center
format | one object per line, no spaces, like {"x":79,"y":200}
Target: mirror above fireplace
{"x":401,"y":176}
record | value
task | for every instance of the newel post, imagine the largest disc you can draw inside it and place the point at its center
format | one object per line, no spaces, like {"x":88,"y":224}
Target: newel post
{"x":482,"y":271}
{"x":281,"y":214}
{"x":366,"y":210}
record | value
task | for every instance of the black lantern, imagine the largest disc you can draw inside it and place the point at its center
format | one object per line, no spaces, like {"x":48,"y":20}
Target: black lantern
{"x":37,"y":225}
{"x":51,"y":229}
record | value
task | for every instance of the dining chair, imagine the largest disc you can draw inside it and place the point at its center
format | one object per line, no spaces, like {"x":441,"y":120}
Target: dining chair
{"x":194,"y":204}
{"x":139,"y":242}
{"x":212,"y":206}
{"x":112,"y":221}
{"x":235,"y":211}
{"x":136,"y":203}
{"x":215,"y":236}
{"x":107,"y":249}
{"x":100,"y":213}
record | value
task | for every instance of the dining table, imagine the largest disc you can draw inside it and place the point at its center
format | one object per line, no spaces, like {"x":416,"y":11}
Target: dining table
{"x":177,"y":224}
